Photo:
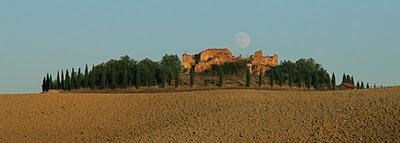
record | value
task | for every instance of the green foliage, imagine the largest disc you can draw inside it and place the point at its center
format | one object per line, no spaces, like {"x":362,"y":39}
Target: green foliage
{"x":271,"y":76}
{"x":62,"y":80}
{"x":302,"y":72}
{"x":79,"y":79}
{"x":103,"y":84}
{"x":362,"y":85}
{"x":92,"y":76}
{"x":113,"y":79}
{"x":73,"y":79}
{"x":220,"y":76}
{"x":161,"y":77}
{"x":126,"y":72}
{"x":333,"y":81}
{"x":67,"y":81}
{"x":125,"y":78}
{"x":137,"y":77}
{"x":248,"y":78}
{"x":86,"y":78}
{"x":177,"y":79}
{"x":44,"y":82}
{"x":172,"y":66}
{"x":192,"y":74}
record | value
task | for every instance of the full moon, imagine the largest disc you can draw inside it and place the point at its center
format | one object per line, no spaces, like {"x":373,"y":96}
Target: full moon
{"x":242,"y":39}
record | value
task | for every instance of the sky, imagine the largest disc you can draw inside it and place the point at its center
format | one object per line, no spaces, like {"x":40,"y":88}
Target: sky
{"x":358,"y":37}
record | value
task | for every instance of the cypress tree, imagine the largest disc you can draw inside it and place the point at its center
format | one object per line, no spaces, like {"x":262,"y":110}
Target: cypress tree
{"x":93,"y":76}
{"x":290,"y":79}
{"x":308,"y":80}
{"x":125,"y":78}
{"x":248,"y":78}
{"x":192,"y":74}
{"x":73,"y":79}
{"x":162,"y":77}
{"x":79,"y":79}
{"x":103,"y":84}
{"x":177,"y":79}
{"x":344,"y":78}
{"x":58,"y":80}
{"x":315,"y":79}
{"x":260,"y":80}
{"x":362,"y":85}
{"x":221,"y":76}
{"x":48,"y":82}
{"x":62,"y":80}
{"x":358,"y":85}
{"x":348,"y":79}
{"x":333,"y":82}
{"x":86,"y":77}
{"x":137,"y":77}
{"x":352,"y":80}
{"x":67,"y":81}
{"x":44,"y":82}
{"x":113,"y":79}
{"x":367,"y":85}
{"x":271,"y":78}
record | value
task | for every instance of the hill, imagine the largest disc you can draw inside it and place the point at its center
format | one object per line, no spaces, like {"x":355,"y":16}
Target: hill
{"x":204,"y":116}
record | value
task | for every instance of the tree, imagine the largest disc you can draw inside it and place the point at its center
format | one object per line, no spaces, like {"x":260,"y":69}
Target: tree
{"x":73,"y":79}
{"x":44,"y":84}
{"x":103,"y":84}
{"x":290,"y":78}
{"x":271,"y":78}
{"x":352,"y":81}
{"x":79,"y":79}
{"x":86,"y":78}
{"x":163,"y":77}
{"x":177,"y":79}
{"x":192,"y":74}
{"x":344,"y":78}
{"x":67,"y":81}
{"x":362,"y":85}
{"x":62,"y":80}
{"x":172,"y":66}
{"x":367,"y":85}
{"x":348,"y":79}
{"x":113,"y":79}
{"x":333,"y":82}
{"x":260,"y":80}
{"x":93,"y":75}
{"x":358,"y":85}
{"x":48,"y":82}
{"x":308,"y":80}
{"x":315,"y":80}
{"x":137,"y":77}
{"x":125,"y":79}
{"x":58,"y":80}
{"x":220,"y":76}
{"x":248,"y":78}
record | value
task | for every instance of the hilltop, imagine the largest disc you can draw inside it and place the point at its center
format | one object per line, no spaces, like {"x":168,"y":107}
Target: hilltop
{"x":210,"y":68}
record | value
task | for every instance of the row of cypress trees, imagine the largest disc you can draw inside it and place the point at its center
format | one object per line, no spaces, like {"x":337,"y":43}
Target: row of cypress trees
{"x":121,"y":73}
{"x":126,"y":72}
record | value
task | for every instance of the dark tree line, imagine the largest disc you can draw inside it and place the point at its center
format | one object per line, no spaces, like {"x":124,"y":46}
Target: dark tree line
{"x":302,"y":73}
{"x":122,"y":73}
{"x":126,"y":72}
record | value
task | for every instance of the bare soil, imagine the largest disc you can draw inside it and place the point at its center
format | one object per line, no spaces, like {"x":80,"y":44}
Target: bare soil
{"x":236,"y":115}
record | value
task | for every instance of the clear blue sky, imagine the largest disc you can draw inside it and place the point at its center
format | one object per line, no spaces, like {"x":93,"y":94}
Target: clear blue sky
{"x":360,"y":37}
